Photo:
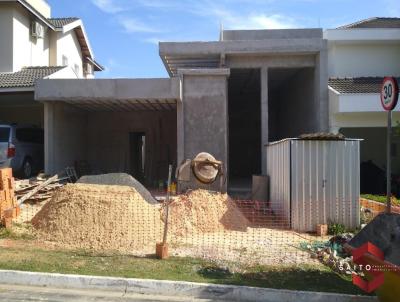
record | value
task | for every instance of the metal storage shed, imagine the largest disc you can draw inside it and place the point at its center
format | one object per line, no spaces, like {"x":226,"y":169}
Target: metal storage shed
{"x":315,"y":182}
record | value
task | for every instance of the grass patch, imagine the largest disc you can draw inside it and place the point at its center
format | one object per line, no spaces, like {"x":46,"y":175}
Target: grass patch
{"x":18,"y":232}
{"x":380,"y":198}
{"x":181,"y":269}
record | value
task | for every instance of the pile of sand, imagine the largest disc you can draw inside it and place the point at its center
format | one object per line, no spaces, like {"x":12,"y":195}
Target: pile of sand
{"x":99,"y":217}
{"x":118,"y":218}
{"x":118,"y":179}
{"x":202,"y":211}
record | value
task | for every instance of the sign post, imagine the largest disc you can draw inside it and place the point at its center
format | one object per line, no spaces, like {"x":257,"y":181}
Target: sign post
{"x":389,"y":98}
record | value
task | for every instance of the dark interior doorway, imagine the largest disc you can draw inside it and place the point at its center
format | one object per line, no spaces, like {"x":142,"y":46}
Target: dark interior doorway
{"x":137,"y":143}
{"x":291,"y":103}
{"x":244,"y":112}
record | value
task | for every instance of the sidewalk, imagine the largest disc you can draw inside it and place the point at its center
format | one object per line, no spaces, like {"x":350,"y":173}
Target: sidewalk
{"x":179,"y":290}
{"x":20,"y":293}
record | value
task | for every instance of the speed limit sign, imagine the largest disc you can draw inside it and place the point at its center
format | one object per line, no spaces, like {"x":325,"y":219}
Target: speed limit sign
{"x":389,"y":93}
{"x":389,"y":97}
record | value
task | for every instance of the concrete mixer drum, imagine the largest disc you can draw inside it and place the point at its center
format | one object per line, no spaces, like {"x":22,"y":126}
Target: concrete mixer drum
{"x":205,"y":170}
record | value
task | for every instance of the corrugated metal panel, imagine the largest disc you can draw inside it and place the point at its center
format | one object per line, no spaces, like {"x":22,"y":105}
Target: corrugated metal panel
{"x":325,"y":183}
{"x":314,"y":182}
{"x":278,"y":170}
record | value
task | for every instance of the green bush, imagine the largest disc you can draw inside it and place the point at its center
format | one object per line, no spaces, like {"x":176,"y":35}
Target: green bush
{"x":336,"y":229}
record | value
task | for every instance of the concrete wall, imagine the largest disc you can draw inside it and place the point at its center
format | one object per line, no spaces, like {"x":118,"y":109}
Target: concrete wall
{"x":246,"y":35}
{"x":202,"y":116}
{"x":6,"y":35}
{"x":108,"y":141}
{"x":65,"y":136}
{"x":102,"y":138}
{"x":265,"y":62}
{"x":106,"y":89}
{"x":364,"y":59}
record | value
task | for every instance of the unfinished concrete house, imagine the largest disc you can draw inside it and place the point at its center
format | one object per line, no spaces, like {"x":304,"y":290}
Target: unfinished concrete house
{"x":228,"y":97}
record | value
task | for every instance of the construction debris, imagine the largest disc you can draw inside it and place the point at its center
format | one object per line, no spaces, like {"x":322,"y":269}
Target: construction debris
{"x":37,"y":189}
{"x":333,"y":254}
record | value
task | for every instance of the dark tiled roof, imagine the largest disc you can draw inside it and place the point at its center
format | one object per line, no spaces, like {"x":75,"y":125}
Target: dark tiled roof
{"x":26,"y":77}
{"x":322,"y":136}
{"x":357,"y":85}
{"x":60,"y":22}
{"x":376,"y":22}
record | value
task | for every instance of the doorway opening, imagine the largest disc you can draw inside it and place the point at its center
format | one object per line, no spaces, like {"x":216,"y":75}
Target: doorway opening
{"x":244,"y":114}
{"x":137,"y":143}
{"x":291,"y":102}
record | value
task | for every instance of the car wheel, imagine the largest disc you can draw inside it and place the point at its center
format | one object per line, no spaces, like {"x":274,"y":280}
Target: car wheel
{"x":27,"y":168}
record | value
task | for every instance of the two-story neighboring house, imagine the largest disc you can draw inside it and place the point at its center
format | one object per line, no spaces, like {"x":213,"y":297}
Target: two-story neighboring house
{"x":35,"y":46}
{"x":359,"y":56}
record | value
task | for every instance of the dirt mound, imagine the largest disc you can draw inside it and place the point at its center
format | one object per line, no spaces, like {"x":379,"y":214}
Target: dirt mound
{"x":99,"y":217}
{"x":118,"y":179}
{"x":202,"y":211}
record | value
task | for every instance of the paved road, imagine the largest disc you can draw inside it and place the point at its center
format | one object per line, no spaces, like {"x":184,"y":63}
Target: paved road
{"x":15,"y":293}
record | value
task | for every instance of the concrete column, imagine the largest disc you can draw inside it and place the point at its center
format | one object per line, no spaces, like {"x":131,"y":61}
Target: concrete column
{"x":321,"y":89}
{"x":180,"y":125}
{"x":49,"y":143}
{"x":334,"y":129}
{"x":203,"y":117}
{"x":264,"y":118}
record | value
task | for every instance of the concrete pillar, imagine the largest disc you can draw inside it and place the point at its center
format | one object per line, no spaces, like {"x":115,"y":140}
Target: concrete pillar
{"x":180,"y":148}
{"x":321,"y":89}
{"x":49,"y":141}
{"x":202,"y":116}
{"x":334,"y":129}
{"x":264,"y":118}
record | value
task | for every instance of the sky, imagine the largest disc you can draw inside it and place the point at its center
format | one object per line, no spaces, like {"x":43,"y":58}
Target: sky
{"x":124,"y":34}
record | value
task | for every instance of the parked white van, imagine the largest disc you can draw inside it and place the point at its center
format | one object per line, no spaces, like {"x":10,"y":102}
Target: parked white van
{"x":21,"y":148}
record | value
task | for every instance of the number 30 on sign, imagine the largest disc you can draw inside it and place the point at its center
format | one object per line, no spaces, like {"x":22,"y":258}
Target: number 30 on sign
{"x":389,"y":93}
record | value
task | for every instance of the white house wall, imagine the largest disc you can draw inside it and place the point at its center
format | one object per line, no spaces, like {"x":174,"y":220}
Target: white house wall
{"x":41,"y":6}
{"x":65,"y":73}
{"x":6,"y":34}
{"x":357,"y":60}
{"x":28,"y":51}
{"x":68,"y":45}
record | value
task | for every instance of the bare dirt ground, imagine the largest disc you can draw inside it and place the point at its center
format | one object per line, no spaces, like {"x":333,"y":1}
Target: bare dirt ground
{"x":255,"y":246}
{"x":117,"y":220}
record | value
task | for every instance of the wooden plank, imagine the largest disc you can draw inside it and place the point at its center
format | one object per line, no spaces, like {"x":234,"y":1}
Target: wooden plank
{"x":37,"y":189}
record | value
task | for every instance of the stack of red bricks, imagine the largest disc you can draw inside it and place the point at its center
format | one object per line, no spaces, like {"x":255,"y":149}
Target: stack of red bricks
{"x":9,"y":208}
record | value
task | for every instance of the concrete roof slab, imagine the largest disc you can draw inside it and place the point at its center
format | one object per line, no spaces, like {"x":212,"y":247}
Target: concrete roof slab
{"x":207,"y":54}
{"x":111,"y":94}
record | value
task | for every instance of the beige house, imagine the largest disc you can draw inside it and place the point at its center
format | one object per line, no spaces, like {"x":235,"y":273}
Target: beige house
{"x":35,"y":46}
